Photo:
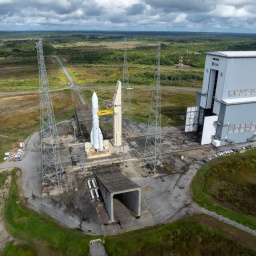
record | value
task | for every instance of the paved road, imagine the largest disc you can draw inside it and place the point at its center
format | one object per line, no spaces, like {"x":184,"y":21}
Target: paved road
{"x":30,"y":163}
{"x":65,"y":71}
{"x":228,"y":221}
{"x":72,"y":84}
{"x":29,"y":92}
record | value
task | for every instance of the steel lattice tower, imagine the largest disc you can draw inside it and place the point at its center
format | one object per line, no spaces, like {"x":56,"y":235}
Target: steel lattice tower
{"x":126,"y":94}
{"x":51,"y":164}
{"x":153,"y":144}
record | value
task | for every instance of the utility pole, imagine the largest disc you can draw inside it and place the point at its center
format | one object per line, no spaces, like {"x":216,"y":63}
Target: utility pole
{"x":153,"y":143}
{"x":51,"y":164}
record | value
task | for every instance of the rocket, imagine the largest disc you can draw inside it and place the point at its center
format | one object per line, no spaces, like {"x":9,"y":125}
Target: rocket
{"x":96,"y":134}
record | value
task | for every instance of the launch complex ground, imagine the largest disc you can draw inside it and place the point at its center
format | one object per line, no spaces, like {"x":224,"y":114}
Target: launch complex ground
{"x":79,"y":204}
{"x":165,"y":196}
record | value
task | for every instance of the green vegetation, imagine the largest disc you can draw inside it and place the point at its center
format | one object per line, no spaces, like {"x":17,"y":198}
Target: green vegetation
{"x":3,"y":177}
{"x":190,"y":236}
{"x":139,"y":74}
{"x":39,"y":231}
{"x":22,"y":48}
{"x":18,"y":250}
{"x":174,"y":103}
{"x":20,"y":116}
{"x":97,"y":58}
{"x":227,"y":185}
{"x":103,"y":49}
{"x":25,"y":77}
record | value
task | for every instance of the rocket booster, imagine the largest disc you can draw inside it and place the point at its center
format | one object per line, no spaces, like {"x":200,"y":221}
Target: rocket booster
{"x":96,"y":135}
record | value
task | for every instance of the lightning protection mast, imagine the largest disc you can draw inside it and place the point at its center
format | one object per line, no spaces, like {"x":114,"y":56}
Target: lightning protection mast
{"x":126,"y":91}
{"x":51,"y":164}
{"x":153,"y":143}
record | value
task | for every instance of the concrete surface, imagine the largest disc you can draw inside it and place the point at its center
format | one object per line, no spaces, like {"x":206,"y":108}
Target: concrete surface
{"x":228,"y":221}
{"x":4,"y":235}
{"x":165,"y":196}
{"x":113,"y":183}
{"x":97,"y":248}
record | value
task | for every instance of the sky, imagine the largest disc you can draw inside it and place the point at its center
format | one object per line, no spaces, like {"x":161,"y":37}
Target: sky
{"x":234,"y":16}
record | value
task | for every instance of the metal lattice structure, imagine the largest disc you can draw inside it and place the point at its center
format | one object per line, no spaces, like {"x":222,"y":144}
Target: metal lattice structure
{"x":126,"y":90}
{"x":51,"y":164}
{"x":153,"y":143}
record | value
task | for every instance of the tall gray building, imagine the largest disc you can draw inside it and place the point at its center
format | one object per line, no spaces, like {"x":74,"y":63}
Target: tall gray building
{"x":225,"y":109}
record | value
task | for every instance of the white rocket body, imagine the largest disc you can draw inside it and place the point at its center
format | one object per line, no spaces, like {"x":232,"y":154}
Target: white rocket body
{"x":96,"y":135}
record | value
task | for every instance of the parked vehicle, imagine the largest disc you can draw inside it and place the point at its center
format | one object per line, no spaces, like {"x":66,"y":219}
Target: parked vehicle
{"x":17,"y":158}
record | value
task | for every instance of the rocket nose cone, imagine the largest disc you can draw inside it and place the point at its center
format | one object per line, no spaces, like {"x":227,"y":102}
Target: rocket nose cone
{"x":94,"y":96}
{"x":94,"y":100}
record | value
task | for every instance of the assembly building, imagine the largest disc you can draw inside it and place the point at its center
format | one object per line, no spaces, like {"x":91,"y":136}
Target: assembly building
{"x":225,"y":108}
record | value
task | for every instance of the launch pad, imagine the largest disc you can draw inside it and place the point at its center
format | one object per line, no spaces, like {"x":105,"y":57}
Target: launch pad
{"x":102,"y":171}
{"x":74,"y":206}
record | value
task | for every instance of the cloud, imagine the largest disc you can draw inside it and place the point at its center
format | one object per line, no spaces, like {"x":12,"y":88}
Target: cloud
{"x":5,"y":2}
{"x":229,"y":11}
{"x":201,"y":15}
{"x":136,"y":9}
{"x":183,"y":5}
{"x":238,"y":2}
{"x":181,"y":18}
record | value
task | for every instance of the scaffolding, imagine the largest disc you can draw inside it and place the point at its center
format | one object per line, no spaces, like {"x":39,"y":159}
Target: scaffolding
{"x":51,"y":164}
{"x":153,"y":143}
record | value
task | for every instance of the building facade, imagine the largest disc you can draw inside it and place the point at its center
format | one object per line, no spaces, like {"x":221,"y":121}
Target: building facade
{"x":225,"y":109}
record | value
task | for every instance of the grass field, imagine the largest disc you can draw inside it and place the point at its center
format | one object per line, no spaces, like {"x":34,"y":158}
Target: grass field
{"x":25,"y":77}
{"x":91,"y":75}
{"x":3,"y":177}
{"x":39,"y":232}
{"x":174,"y":104}
{"x":20,"y":116}
{"x":12,"y":249}
{"x":227,"y":185}
{"x":103,"y":44}
{"x":197,"y":235}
